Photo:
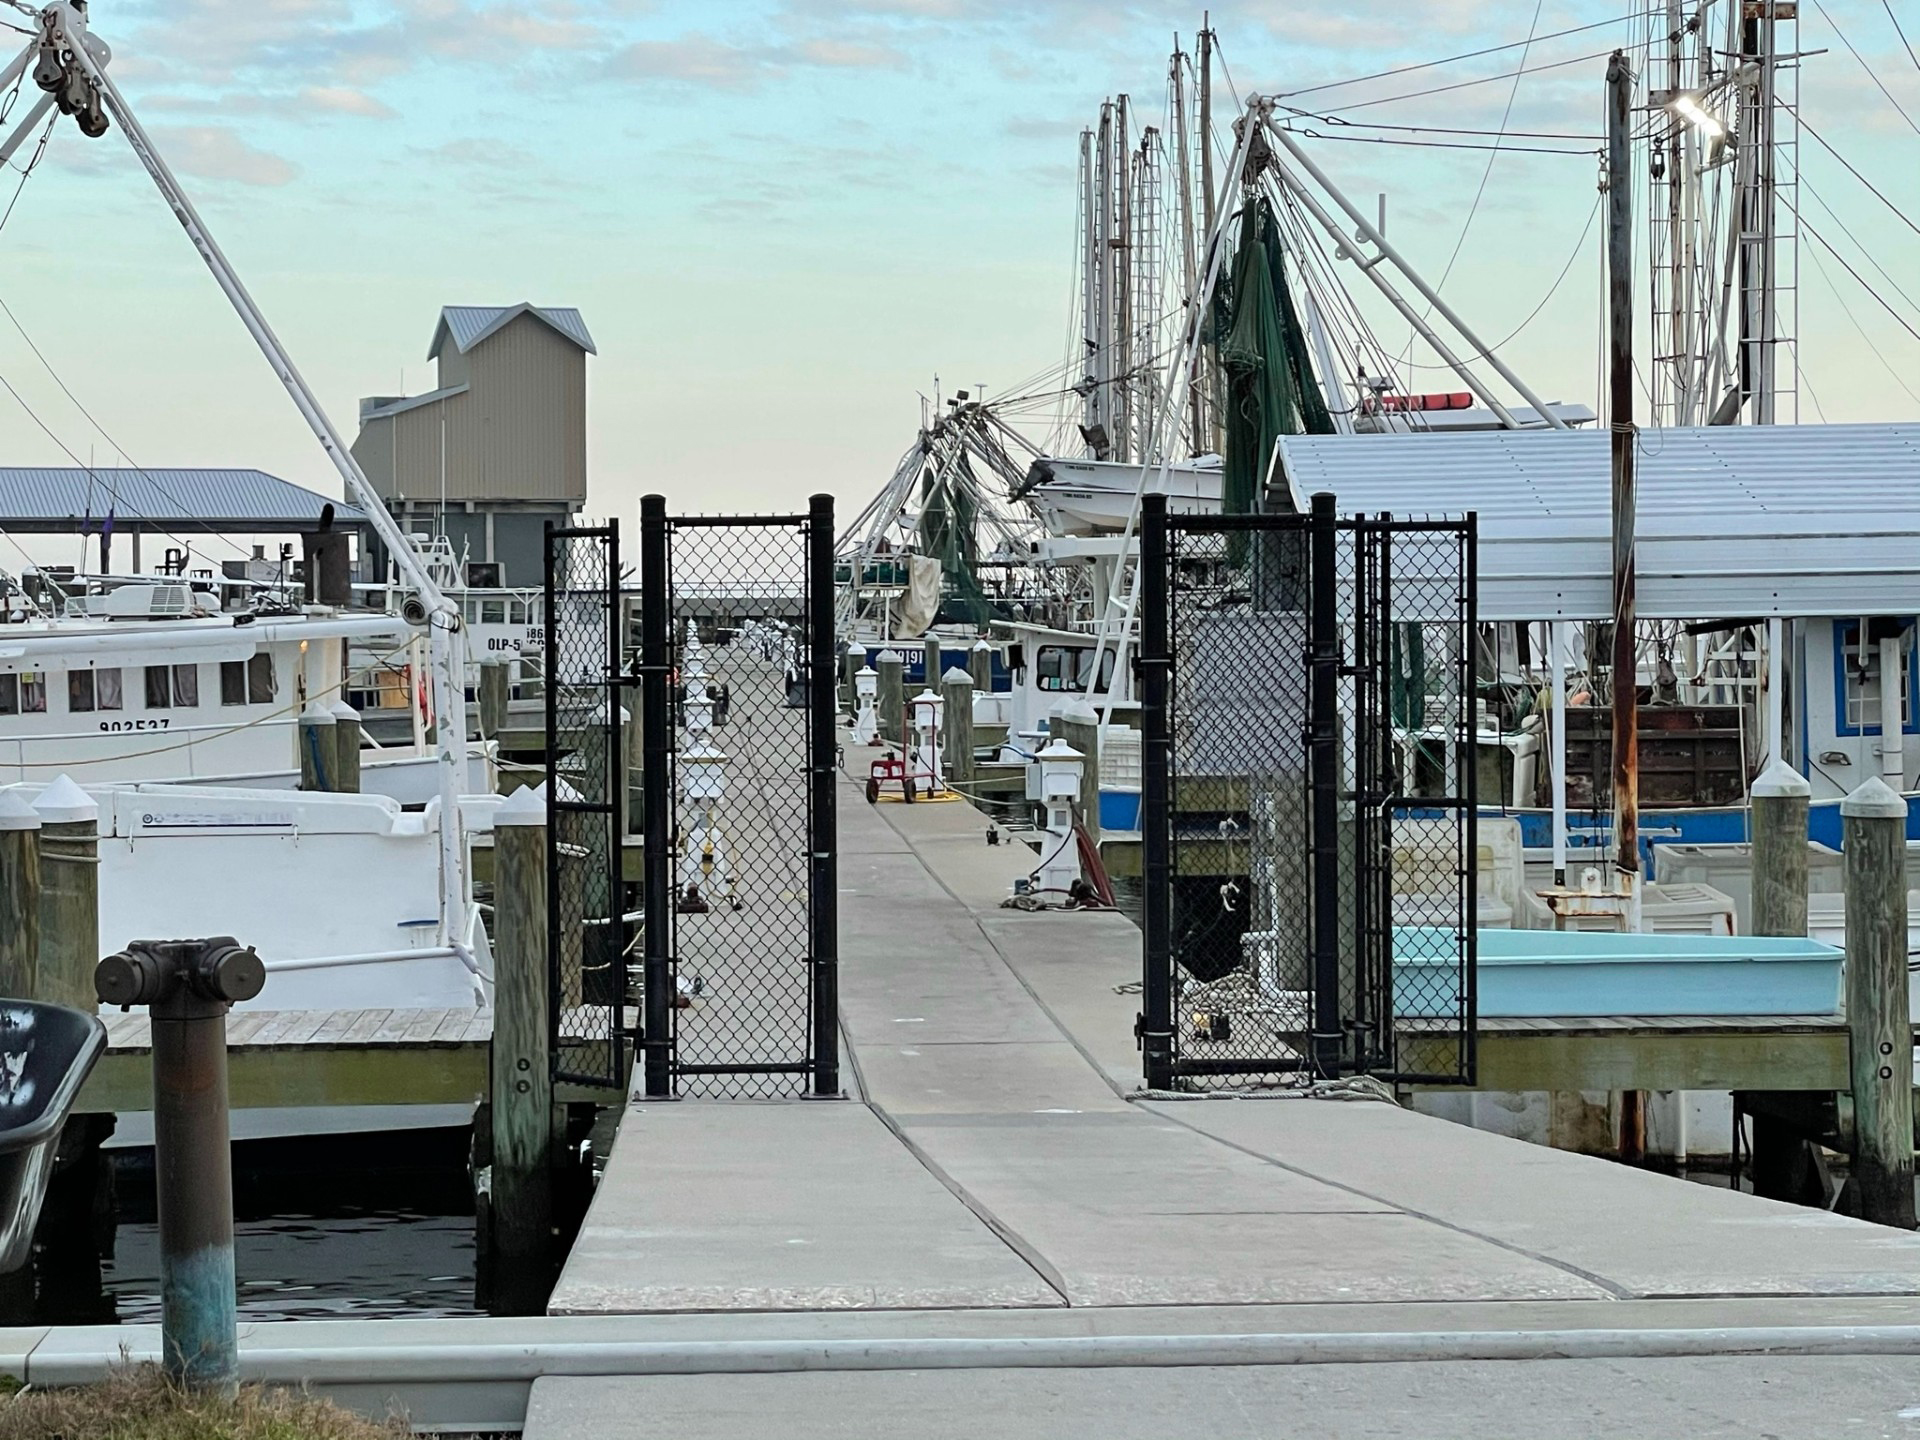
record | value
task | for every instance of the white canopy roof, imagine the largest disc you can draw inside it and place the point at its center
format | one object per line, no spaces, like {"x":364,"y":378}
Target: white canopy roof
{"x":1732,"y":522}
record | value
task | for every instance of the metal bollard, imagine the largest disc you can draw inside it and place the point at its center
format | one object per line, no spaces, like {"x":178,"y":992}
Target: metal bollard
{"x":187,"y":986}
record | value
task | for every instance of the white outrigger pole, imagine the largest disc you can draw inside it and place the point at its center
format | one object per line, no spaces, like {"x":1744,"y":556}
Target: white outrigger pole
{"x":69,"y":64}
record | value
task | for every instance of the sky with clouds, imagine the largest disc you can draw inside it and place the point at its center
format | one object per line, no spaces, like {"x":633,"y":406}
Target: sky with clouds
{"x":783,"y":219}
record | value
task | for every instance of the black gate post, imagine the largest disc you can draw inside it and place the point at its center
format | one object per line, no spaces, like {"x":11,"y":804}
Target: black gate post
{"x":1323,"y":761}
{"x":822,"y":826}
{"x":1156,"y":769}
{"x":550,"y":705}
{"x":656,"y":719}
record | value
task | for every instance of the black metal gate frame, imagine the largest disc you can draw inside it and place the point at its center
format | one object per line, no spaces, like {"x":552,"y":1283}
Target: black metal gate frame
{"x":660,"y":1063}
{"x":1362,"y":1042}
{"x":605,"y":812}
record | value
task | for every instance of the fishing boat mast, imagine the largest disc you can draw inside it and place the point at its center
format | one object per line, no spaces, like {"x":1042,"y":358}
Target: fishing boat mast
{"x":69,"y":66}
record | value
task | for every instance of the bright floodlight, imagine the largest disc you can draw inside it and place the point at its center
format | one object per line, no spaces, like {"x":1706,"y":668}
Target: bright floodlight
{"x":1688,"y":109}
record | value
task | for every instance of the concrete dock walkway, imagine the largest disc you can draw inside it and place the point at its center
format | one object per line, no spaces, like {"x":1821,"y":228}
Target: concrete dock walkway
{"x":992,"y":1161}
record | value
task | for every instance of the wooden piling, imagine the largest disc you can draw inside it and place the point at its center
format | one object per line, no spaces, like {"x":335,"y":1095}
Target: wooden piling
{"x":893,"y":696}
{"x":1780,"y":798}
{"x":346,"y":752}
{"x":520,"y":1072}
{"x":1880,"y":1035}
{"x":956,"y":689}
{"x":980,"y":666}
{"x":1079,"y":726}
{"x":851,"y":664}
{"x":930,"y":664}
{"x":493,"y":697}
{"x":69,"y":895}
{"x":19,"y":898}
{"x":319,"y":756}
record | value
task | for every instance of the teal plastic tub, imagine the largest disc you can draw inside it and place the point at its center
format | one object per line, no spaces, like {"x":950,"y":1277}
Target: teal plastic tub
{"x":1540,"y":973}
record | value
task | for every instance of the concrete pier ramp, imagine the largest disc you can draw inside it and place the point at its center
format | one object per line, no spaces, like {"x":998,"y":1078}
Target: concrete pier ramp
{"x":991,"y":1174}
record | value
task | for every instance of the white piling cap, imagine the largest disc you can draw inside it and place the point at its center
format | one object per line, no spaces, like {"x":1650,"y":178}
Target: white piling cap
{"x":1874,"y":800}
{"x":65,"y":803}
{"x":981,"y":644}
{"x":1078,"y":711}
{"x":523,"y":807}
{"x":16,"y":813}
{"x":1780,"y":781}
{"x":316,"y":714}
{"x":343,"y":711}
{"x":956,"y":675}
{"x":563,"y":790}
{"x":890,"y":654}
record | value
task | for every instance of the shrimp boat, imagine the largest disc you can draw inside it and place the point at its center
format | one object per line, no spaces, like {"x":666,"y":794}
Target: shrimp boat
{"x":179,"y":711}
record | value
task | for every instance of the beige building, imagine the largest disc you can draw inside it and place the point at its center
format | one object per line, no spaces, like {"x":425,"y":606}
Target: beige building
{"x":498,"y":448}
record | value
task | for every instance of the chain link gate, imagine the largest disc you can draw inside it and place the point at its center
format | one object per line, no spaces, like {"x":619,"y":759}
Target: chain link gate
{"x":738,"y":760}
{"x":1308,"y":793}
{"x":584,"y":686}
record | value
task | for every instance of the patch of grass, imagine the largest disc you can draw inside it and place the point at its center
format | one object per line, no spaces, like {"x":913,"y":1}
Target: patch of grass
{"x":140,"y":1404}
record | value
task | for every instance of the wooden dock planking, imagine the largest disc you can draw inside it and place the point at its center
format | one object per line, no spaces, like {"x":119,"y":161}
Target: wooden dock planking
{"x":281,"y":1058}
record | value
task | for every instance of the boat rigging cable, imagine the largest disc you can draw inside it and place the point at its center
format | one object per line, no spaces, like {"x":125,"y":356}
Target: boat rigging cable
{"x":1872,"y":74}
{"x":68,"y":64}
{"x":1455,"y":59}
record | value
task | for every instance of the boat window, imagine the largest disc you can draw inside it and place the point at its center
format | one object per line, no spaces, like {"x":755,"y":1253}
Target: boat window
{"x":89,"y":690}
{"x":172,"y":685}
{"x":493,"y":612}
{"x":9,"y":694}
{"x":260,"y":685}
{"x":517,"y":612}
{"x":33,"y":692}
{"x":1068,"y":667}
{"x":233,"y":682}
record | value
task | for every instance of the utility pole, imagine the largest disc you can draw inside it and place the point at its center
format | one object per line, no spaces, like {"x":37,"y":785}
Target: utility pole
{"x":1626,"y":769}
{"x":1626,"y":717}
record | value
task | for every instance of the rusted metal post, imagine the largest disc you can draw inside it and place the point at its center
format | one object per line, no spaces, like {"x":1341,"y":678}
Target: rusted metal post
{"x":187,"y":987}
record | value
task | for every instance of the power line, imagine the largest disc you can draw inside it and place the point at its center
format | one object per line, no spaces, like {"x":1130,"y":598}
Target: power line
{"x":1483,"y":80}
{"x":1455,"y":59}
{"x":1887,"y":5}
{"x":1827,"y":145}
{"x":1436,"y":144}
{"x":1553,"y":290}
{"x":1847,"y":310}
{"x":1834,"y":216}
{"x":1861,"y":280}
{"x":1871,"y":74}
{"x":1440,"y":129}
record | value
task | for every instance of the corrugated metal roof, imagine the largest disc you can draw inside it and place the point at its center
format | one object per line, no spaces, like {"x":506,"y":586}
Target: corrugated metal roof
{"x":1792,"y":520}
{"x":48,"y":496}
{"x":407,"y":402}
{"x":468,"y":325}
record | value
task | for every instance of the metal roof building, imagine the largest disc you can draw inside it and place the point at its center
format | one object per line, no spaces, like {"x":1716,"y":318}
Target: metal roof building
{"x":1731,"y":522}
{"x":468,"y":325}
{"x":59,"y":500}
